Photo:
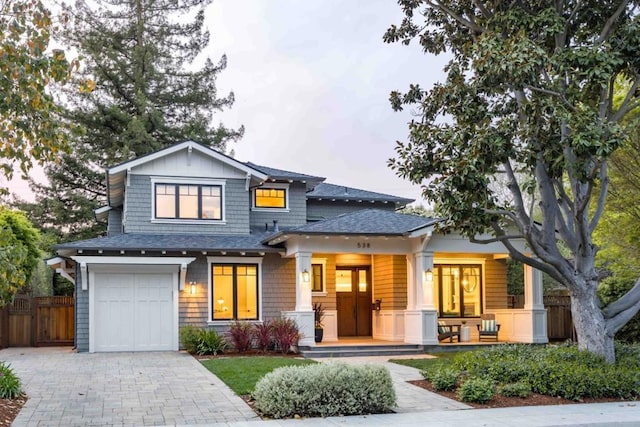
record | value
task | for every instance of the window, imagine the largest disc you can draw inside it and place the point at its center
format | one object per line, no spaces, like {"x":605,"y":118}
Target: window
{"x":188,"y":201}
{"x":317,"y":278}
{"x":459,"y":289}
{"x":270,"y":198}
{"x":234,"y":291}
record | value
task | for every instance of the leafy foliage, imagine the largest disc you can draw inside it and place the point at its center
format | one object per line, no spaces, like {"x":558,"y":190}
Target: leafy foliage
{"x":285,"y":334}
{"x":263,"y":335}
{"x":19,"y":253}
{"x":445,"y":379}
{"x":240,"y":335}
{"x":520,"y":389}
{"x":325,"y":390}
{"x":528,"y":96}
{"x":478,"y":390}
{"x":147,"y":96}
{"x":210,"y":342}
{"x":189,"y":336}
{"x":30,"y":128}
{"x":10,"y":386}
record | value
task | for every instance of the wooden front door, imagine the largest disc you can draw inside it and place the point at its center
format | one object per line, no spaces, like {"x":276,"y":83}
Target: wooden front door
{"x":353,"y":295}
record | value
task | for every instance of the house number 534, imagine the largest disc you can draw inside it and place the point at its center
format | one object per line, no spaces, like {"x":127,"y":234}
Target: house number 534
{"x":362,"y":245}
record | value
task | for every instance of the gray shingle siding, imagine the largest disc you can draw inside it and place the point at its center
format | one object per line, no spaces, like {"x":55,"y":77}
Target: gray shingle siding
{"x":296,"y":216}
{"x":321,"y":209}
{"x":193,"y":309}
{"x":138,"y":215}
{"x":278,"y":285}
{"x":114,"y":225}
{"x":82,"y":315}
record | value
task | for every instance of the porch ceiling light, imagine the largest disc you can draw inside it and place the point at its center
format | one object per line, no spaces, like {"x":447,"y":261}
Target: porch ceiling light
{"x":428,"y":276}
{"x":468,"y":287}
{"x":305,"y":276}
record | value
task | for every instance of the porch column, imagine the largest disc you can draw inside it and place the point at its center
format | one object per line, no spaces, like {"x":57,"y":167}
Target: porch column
{"x":303,"y":314}
{"x":421,"y":317}
{"x":534,"y":305}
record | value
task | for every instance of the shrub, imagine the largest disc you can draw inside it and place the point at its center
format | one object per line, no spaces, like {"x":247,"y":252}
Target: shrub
{"x":477,"y":390}
{"x":444,"y":379}
{"x":262,"y":334}
{"x":285,"y":334}
{"x":325,"y":390}
{"x":240,"y":335}
{"x":520,"y":389}
{"x":189,"y":337}
{"x":210,"y":342}
{"x":10,"y":387}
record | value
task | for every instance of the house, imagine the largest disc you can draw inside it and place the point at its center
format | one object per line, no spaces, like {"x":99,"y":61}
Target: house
{"x":197,"y":237}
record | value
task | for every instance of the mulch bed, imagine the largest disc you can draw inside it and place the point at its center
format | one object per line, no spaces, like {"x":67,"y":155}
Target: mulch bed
{"x":499,"y":401}
{"x":9,"y":409}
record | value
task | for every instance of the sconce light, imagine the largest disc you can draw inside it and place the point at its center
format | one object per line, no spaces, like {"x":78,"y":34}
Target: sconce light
{"x":193,"y":287}
{"x":305,"y":276}
{"x":428,"y":276}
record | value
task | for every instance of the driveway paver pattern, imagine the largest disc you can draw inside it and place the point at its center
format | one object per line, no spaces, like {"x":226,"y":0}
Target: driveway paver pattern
{"x":66,"y":388}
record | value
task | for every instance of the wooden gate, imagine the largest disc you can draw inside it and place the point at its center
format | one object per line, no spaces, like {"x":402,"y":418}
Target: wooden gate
{"x":38,"y":321}
{"x":559,"y":321}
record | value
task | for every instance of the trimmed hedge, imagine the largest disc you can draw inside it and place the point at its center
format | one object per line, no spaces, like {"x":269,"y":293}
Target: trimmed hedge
{"x":325,"y":390}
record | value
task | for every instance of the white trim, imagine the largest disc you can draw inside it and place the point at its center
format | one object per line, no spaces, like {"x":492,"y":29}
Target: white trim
{"x":323,"y":262}
{"x":275,"y":186}
{"x":193,"y":145}
{"x":231,"y":260}
{"x":188,"y":181}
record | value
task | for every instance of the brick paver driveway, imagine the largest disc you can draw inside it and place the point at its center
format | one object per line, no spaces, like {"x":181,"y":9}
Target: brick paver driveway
{"x":163,"y":388}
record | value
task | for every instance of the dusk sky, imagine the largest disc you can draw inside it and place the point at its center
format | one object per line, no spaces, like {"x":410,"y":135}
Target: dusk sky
{"x":312,"y":80}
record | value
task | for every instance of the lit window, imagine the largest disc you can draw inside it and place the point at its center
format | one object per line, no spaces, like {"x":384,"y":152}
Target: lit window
{"x":270,"y":198}
{"x":235,"y":292}
{"x":188,"y":201}
{"x":317,"y":278}
{"x":459,"y":289}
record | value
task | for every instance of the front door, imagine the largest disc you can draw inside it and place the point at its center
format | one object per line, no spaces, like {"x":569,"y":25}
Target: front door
{"x":353,"y":295}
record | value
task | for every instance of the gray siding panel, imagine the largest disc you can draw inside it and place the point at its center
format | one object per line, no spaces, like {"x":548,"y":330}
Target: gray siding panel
{"x":296,"y":216}
{"x":82,"y":315}
{"x":114,"y":225}
{"x":193,"y":309}
{"x":138,"y":216}
{"x":321,"y":209}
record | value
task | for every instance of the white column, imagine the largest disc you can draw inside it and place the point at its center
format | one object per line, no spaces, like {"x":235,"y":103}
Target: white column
{"x":411,"y":283}
{"x":303,"y":289}
{"x":424,"y":262}
{"x":421,"y":317}
{"x":533,"y":289}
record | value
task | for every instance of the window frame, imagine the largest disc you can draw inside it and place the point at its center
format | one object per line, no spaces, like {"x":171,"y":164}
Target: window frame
{"x":271,"y":186}
{"x":322,"y":262}
{"x":235,"y":261}
{"x":155,"y":181}
{"x":453,"y":263}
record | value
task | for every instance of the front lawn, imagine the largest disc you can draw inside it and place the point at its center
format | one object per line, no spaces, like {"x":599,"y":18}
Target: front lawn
{"x":242,"y":373}
{"x":441,"y":359}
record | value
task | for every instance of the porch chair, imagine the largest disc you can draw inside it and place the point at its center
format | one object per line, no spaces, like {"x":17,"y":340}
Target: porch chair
{"x":488,"y":327}
{"x":448,"y":331}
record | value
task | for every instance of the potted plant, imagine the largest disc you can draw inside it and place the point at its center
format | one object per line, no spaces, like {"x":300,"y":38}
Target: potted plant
{"x":318,"y":310}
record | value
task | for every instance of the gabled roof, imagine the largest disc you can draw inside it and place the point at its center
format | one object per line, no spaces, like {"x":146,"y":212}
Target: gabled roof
{"x":172,"y":242}
{"x":372,"y":222}
{"x":116,"y":174}
{"x":284,"y":175}
{"x":332,"y":192}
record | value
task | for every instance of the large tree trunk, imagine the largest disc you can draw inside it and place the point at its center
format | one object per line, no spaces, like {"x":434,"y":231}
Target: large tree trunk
{"x":590,"y":324}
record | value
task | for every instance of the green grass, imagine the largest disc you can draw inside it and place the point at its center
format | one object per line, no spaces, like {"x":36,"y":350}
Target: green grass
{"x":242,"y":373}
{"x":442,"y":359}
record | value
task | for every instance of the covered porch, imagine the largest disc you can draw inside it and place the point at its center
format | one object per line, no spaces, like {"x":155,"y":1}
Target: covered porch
{"x":394,"y":288}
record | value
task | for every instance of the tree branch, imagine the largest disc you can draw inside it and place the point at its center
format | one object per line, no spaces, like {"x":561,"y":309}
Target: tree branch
{"x":470,"y":25}
{"x":604,"y":188}
{"x":625,"y":302}
{"x":612,"y":19}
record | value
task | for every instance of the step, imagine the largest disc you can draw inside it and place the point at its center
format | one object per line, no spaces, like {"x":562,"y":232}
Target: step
{"x":360,"y":350}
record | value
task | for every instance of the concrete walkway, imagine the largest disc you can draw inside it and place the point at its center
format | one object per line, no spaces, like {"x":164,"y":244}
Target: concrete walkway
{"x":78,"y":389}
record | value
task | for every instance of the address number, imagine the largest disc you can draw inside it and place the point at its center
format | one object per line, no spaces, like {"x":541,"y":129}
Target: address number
{"x":363,"y":245}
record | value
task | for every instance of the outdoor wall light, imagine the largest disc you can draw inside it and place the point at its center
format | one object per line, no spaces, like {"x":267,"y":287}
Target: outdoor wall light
{"x":428,"y":276}
{"x":305,"y":276}
{"x":193,"y":288}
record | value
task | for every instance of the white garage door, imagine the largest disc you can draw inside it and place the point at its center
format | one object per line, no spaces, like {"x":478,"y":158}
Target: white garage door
{"x":133,"y":312}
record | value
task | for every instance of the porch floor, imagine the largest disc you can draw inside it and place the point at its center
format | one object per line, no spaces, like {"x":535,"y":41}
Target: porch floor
{"x":369,"y":341}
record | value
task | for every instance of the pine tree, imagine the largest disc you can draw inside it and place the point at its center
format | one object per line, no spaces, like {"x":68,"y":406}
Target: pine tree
{"x":139,"y":53}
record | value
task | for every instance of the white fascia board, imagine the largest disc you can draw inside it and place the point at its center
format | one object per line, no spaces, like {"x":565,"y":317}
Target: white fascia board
{"x":195,"y":146}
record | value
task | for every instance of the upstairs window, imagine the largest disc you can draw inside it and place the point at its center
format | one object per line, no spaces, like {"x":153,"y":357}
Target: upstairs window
{"x":188,"y":201}
{"x":270,"y":198}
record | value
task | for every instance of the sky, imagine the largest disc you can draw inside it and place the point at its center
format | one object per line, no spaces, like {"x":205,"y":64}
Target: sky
{"x":311,"y":80}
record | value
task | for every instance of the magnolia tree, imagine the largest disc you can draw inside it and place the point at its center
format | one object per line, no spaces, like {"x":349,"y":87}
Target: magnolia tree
{"x":528,"y":96}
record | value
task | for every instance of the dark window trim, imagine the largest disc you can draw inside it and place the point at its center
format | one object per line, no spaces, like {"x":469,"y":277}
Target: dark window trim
{"x":255,"y":198}
{"x":177,"y":201}
{"x":461,"y":291}
{"x":235,"y":291}
{"x":319,"y":265}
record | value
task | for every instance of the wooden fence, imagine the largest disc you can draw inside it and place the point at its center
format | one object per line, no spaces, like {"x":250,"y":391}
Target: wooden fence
{"x":37,"y":321}
{"x":559,"y":321}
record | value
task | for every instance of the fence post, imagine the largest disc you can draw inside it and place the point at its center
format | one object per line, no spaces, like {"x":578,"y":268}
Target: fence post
{"x":34,"y":321}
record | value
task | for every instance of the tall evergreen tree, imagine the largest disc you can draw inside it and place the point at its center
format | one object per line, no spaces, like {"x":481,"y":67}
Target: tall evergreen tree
{"x":140,"y":54}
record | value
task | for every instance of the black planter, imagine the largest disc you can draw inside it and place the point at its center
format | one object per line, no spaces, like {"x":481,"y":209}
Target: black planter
{"x":319,"y":334}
